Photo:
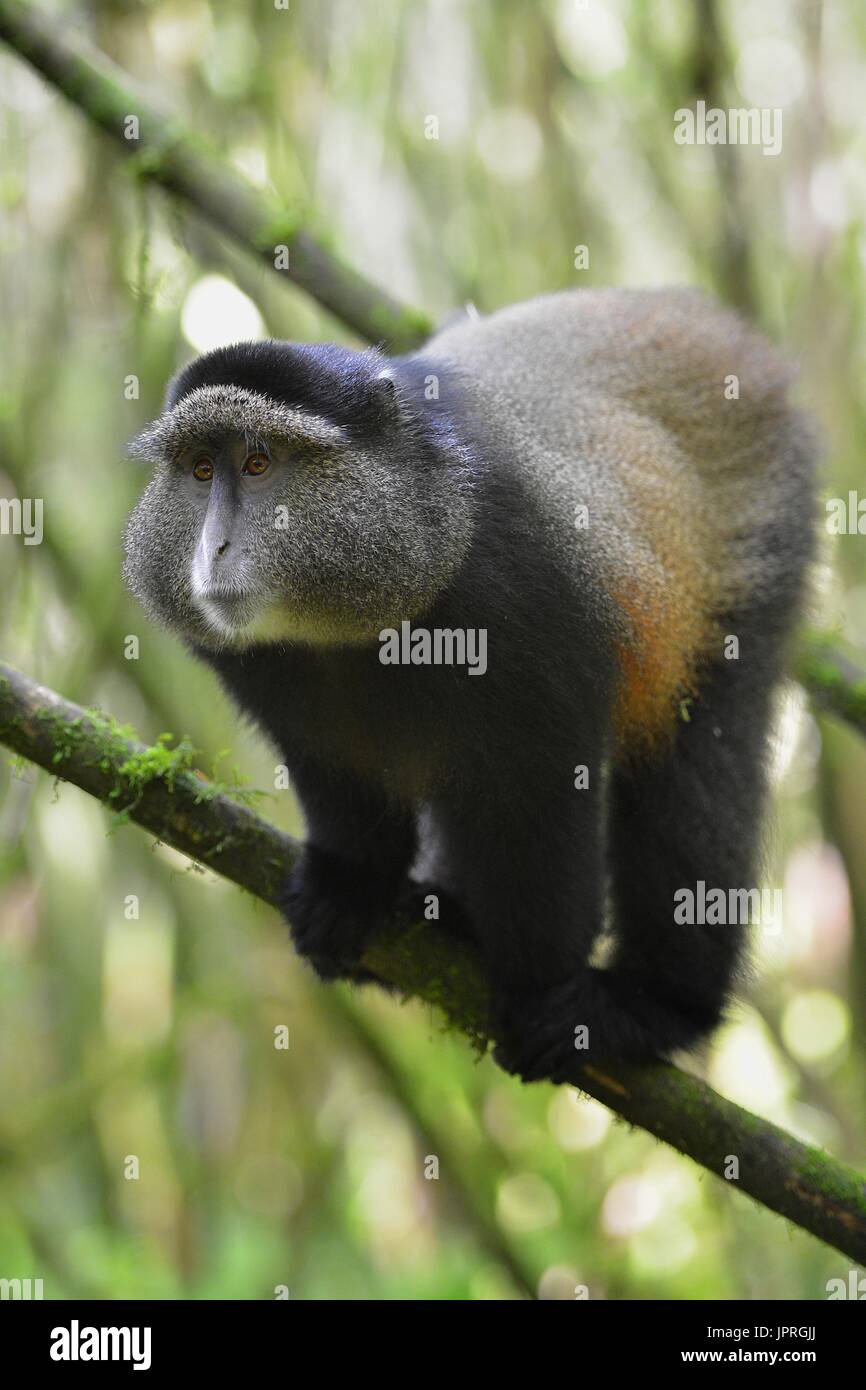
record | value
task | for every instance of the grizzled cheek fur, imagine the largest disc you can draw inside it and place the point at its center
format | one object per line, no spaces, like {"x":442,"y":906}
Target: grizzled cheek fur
{"x":159,"y":542}
{"x":351,"y":535}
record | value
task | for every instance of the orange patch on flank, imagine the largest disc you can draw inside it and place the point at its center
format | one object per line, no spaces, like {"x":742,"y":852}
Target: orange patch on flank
{"x":657,"y":662}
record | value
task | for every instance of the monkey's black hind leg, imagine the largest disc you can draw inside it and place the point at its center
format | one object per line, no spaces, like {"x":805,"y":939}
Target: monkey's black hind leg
{"x":529,"y":870}
{"x":691,"y":813}
{"x":690,"y":818}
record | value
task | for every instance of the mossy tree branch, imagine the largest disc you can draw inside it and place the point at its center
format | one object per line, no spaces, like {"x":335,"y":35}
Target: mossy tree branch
{"x":168,"y":155}
{"x":158,"y":789}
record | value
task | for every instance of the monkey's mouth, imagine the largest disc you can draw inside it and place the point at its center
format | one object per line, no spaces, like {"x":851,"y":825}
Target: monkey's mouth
{"x":237,"y":620}
{"x":228,"y":612}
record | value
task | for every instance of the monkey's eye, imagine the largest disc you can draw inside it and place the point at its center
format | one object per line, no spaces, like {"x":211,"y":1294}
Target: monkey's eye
{"x":203,"y":470}
{"x":256,"y":465}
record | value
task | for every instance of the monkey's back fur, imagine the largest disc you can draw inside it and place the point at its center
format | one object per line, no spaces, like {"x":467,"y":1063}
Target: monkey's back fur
{"x":654,"y":410}
{"x":614,"y":487}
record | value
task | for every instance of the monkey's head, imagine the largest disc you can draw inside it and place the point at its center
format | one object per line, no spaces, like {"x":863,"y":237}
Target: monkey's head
{"x":299,"y":494}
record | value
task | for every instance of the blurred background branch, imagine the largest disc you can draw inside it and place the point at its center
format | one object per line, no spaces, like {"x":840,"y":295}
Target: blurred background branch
{"x":835,"y":683}
{"x":164,"y":153}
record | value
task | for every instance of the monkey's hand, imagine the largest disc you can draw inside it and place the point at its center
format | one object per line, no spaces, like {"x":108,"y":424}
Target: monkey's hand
{"x":596,"y":1015}
{"x":332,"y":907}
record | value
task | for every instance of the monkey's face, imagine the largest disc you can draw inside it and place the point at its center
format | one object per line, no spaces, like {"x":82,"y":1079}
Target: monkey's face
{"x":283,"y":527}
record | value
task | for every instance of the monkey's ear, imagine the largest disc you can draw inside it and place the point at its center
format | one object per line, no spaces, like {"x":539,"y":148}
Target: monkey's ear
{"x":388,"y":404}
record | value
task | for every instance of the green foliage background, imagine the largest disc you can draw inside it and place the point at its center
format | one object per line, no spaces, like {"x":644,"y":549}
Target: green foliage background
{"x":154,"y":1037}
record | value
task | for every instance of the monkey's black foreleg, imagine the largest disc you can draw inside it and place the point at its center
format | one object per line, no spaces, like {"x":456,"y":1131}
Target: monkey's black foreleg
{"x":359,"y":847}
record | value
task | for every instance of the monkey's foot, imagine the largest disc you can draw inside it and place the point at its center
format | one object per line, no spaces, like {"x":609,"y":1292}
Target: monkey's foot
{"x":599,"y":1014}
{"x":332,"y":908}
